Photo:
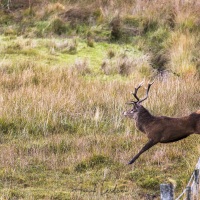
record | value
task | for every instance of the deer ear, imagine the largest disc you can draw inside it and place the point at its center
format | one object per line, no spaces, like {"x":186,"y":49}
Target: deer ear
{"x":137,"y":105}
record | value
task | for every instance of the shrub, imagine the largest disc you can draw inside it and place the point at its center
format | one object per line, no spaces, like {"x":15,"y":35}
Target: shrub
{"x":116,"y":26}
{"x":81,"y":67}
{"x":111,"y":53}
{"x":157,"y":48}
{"x":90,"y":41}
{"x":125,"y":65}
{"x":41,"y":28}
{"x":58,"y":26}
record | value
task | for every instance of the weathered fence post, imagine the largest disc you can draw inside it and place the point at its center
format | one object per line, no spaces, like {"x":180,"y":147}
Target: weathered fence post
{"x":196,"y":176}
{"x":196,"y":181}
{"x":188,"y":193}
{"x":166,"y":192}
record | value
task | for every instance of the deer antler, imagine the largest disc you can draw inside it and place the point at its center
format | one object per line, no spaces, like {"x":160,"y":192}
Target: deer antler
{"x":135,"y":93}
{"x":147,"y":92}
{"x":136,"y":90}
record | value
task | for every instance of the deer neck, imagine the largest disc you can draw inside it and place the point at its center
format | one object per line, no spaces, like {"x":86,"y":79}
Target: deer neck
{"x":143,"y":118}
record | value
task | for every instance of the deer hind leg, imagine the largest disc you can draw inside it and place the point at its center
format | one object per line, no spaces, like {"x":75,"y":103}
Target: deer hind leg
{"x":147,"y":146}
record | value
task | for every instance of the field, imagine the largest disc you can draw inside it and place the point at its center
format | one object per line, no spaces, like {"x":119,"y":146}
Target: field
{"x":64,"y":82}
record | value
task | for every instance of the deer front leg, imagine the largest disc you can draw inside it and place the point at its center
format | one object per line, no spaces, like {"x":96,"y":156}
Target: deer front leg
{"x":147,"y":146}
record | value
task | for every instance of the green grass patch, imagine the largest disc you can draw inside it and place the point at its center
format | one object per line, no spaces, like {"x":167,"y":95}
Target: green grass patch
{"x":96,"y":161}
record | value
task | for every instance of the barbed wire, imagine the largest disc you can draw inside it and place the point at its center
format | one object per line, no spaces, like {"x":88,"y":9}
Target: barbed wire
{"x":192,"y":189}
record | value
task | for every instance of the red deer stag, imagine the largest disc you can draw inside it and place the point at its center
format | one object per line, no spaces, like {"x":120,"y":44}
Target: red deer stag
{"x":160,"y":129}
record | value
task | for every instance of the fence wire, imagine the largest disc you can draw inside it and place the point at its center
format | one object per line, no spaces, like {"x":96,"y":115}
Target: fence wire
{"x":191,"y":192}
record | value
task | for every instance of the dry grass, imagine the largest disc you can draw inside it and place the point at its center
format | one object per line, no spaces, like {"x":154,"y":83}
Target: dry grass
{"x":54,"y":121}
{"x":62,"y":131}
{"x":126,"y":64}
{"x":182,"y":52}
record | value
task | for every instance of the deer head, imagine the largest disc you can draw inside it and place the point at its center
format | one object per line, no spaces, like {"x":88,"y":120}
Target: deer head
{"x":133,"y":113}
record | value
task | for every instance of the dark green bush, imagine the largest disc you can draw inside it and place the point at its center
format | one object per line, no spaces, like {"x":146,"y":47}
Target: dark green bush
{"x":58,"y":26}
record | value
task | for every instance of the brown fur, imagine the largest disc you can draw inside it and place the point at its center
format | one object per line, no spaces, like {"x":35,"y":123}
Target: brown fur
{"x":160,"y":129}
{"x":166,"y":129}
{"x":163,"y":129}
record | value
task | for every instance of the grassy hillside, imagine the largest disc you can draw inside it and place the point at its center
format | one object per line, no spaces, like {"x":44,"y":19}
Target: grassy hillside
{"x":67,"y":71}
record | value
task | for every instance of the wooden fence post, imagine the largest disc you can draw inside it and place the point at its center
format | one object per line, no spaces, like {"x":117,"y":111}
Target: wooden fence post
{"x":188,"y":193}
{"x":196,"y":180}
{"x":196,"y":176}
{"x":166,"y":192}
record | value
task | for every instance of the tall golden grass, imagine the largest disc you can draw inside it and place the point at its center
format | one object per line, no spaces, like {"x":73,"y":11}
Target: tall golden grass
{"x":60,"y":121}
{"x":62,"y":131}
